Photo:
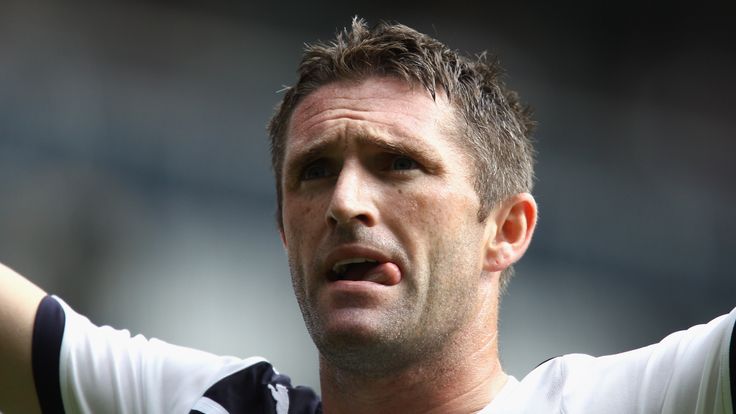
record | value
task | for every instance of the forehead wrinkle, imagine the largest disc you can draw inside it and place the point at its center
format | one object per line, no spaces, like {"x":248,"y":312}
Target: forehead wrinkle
{"x":366,"y":118}
{"x":303,"y":120}
{"x":332,"y":97}
{"x":371,"y":133}
{"x":307,"y":133}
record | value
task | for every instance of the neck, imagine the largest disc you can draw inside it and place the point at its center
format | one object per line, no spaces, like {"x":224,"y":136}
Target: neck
{"x":463,"y":378}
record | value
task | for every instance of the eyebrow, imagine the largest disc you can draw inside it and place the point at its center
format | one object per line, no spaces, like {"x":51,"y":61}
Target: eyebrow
{"x":312,"y":152}
{"x":424,"y":155}
{"x":315,"y":150}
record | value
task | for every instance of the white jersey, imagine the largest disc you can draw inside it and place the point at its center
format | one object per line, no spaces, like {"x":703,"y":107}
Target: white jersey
{"x":692,"y":371}
{"x":81,"y":368}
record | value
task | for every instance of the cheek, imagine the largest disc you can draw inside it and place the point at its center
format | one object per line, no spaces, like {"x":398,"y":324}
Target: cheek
{"x":444,"y":210}
{"x":422,"y":220}
{"x":292,"y":226}
{"x":299,"y":213}
{"x":443,"y":226}
{"x":304,"y":222}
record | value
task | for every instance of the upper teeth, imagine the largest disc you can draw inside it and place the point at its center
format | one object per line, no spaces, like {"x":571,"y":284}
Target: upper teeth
{"x":342,"y":265}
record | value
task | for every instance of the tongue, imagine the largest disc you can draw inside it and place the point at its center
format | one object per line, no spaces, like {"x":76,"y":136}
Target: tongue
{"x":383,"y":273}
{"x":357,"y":271}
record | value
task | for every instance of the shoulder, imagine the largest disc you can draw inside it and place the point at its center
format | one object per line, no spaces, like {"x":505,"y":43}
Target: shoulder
{"x":100,"y":369}
{"x":258,"y":388}
{"x":689,"y":370}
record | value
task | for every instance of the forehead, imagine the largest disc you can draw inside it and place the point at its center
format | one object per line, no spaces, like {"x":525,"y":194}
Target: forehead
{"x":383,"y":106}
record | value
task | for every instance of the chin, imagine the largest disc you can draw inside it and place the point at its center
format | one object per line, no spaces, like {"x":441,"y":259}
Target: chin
{"x":352,"y":329}
{"x":361,"y":357}
{"x":362,"y":348}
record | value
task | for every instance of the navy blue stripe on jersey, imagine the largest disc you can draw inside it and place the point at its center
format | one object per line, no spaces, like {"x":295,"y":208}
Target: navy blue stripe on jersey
{"x":48,"y":331}
{"x":545,"y":361}
{"x":259,"y":389}
{"x":732,"y":365}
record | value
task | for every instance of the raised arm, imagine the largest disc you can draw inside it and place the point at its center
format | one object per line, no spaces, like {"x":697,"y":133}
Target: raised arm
{"x":19,"y":300}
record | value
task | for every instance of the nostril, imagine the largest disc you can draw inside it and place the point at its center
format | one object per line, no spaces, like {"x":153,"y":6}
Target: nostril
{"x":363,"y":218}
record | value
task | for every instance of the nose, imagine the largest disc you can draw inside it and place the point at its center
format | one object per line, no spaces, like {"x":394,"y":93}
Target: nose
{"x":352,"y":199}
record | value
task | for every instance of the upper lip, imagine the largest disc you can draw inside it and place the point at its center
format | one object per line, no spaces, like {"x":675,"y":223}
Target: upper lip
{"x":354,"y":251}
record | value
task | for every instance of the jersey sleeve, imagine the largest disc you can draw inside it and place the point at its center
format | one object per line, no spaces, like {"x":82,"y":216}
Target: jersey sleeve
{"x":689,"y":371}
{"x":82,"y":368}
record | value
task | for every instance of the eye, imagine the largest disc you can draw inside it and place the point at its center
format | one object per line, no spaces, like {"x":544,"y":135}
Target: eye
{"x":315,"y":171}
{"x":401,"y":163}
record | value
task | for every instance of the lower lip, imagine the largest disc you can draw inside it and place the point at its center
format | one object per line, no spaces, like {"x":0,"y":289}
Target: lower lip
{"x":356,"y":285}
{"x":356,"y":293}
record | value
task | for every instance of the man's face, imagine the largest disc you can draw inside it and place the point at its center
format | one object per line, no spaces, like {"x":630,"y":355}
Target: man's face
{"x":380,"y":222}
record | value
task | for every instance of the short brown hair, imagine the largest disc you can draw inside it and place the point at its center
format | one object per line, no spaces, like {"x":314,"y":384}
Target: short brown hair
{"x":495,"y":128}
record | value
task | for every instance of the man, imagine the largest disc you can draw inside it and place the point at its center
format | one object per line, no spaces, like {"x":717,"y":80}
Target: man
{"x":403,"y":173}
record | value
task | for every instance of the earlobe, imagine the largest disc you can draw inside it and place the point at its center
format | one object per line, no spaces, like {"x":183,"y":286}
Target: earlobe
{"x":498,"y":257}
{"x":511,"y":227}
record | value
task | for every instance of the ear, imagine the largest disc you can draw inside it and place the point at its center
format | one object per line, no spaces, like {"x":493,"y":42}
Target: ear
{"x":509,"y":231}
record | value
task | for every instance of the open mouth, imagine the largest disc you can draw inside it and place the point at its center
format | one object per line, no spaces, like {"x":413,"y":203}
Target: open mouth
{"x":352,"y":269}
{"x":365,"y":270}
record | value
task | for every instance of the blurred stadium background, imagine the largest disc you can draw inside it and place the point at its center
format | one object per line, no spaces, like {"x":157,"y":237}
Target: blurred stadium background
{"x":135,"y":180}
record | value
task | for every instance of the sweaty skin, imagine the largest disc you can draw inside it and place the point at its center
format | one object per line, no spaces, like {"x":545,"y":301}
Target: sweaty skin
{"x":373,"y":171}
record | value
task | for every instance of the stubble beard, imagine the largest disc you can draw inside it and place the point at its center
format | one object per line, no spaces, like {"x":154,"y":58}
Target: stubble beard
{"x":382,"y":348}
{"x":417,"y":329}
